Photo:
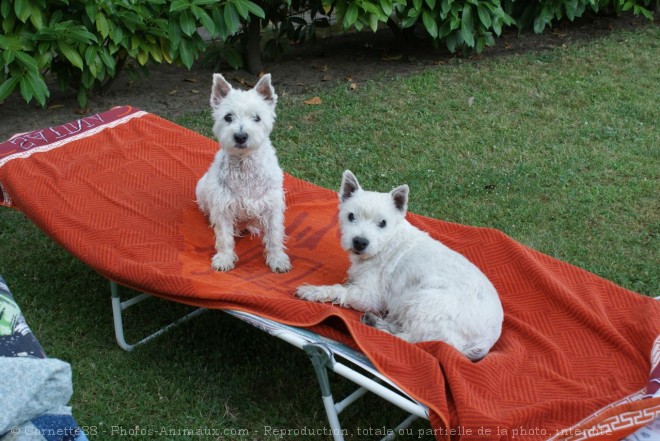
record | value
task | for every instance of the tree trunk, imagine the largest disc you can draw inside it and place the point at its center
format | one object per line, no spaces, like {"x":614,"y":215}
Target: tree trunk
{"x":394,"y":27}
{"x":253,"y":55}
{"x":403,"y":37}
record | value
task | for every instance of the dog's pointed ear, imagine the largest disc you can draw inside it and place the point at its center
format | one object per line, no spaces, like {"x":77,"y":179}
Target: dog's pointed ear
{"x":349,"y":185}
{"x":220,"y":90}
{"x":265,"y":89}
{"x":400,"y":197}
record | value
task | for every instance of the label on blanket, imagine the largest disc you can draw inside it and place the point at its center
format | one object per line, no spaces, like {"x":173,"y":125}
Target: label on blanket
{"x":25,"y":144}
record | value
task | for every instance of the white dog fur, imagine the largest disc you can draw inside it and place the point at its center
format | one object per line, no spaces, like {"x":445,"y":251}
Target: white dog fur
{"x":243,"y":188}
{"x":406,"y":282}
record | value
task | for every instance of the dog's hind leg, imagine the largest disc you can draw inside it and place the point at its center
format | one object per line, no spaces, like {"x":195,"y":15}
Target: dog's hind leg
{"x":382,"y":323}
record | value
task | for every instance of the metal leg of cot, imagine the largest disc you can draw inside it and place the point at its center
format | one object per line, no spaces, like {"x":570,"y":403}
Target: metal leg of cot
{"x":118,"y":306}
{"x":323,"y":360}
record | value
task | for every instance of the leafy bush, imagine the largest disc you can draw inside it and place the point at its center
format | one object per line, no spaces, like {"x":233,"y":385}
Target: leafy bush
{"x":285,"y":21}
{"x":471,"y":25}
{"x":538,"y":15}
{"x":297,"y":22}
{"x":85,"y":43}
{"x":467,"y":25}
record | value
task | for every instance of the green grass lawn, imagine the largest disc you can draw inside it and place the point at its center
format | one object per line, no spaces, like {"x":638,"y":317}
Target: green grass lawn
{"x":559,"y":149}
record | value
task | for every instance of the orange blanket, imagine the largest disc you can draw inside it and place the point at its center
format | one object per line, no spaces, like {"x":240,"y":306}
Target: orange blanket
{"x":117,"y":191}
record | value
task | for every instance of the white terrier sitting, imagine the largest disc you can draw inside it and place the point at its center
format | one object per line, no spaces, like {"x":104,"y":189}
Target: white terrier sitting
{"x":409,"y":284}
{"x":242,"y":190}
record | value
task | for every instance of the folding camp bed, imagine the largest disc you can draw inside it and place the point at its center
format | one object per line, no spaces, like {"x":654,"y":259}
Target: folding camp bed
{"x":577,"y":358}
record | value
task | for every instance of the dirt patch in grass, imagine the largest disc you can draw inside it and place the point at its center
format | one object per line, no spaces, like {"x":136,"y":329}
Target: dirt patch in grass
{"x":347,"y":59}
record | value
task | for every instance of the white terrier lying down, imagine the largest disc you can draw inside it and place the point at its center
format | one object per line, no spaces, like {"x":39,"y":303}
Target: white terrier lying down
{"x":242,"y":190}
{"x":409,"y":284}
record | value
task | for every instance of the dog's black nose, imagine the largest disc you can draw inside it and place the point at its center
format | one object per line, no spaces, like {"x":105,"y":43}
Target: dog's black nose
{"x":240,"y":138}
{"x":360,"y":243}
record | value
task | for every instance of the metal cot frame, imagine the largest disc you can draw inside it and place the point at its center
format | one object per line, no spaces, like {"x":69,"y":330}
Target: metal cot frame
{"x":323,"y":353}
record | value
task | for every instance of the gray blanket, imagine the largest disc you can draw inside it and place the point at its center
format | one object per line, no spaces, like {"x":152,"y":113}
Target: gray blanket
{"x":30,"y":387}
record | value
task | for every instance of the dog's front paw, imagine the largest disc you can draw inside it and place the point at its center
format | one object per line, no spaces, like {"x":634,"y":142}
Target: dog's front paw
{"x":278,"y":262}
{"x":223,"y":261}
{"x":316,"y":293}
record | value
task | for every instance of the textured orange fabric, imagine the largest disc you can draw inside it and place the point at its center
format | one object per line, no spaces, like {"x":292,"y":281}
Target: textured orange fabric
{"x":121,"y":199}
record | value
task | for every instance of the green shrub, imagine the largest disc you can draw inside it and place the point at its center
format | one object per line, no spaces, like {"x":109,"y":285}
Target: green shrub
{"x":468,"y":25}
{"x":539,"y":14}
{"x":471,"y":25}
{"x":85,"y":43}
{"x":285,"y":21}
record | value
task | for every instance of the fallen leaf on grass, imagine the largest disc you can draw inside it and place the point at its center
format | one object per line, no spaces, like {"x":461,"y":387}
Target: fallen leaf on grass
{"x":326,"y":78}
{"x":315,"y":101}
{"x":172,"y":92}
{"x":352,"y":85}
{"x":471,"y":101}
{"x":190,"y":80}
{"x":320,"y":67}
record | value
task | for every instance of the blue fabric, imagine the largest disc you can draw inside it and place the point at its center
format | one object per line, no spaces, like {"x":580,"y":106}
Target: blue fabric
{"x":58,"y":428}
{"x":16,"y":338}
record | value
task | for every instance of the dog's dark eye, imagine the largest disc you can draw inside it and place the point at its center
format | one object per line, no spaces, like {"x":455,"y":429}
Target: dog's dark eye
{"x":229,"y":117}
{"x":351,"y":217}
{"x":256,"y":118}
{"x":382,"y":224}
